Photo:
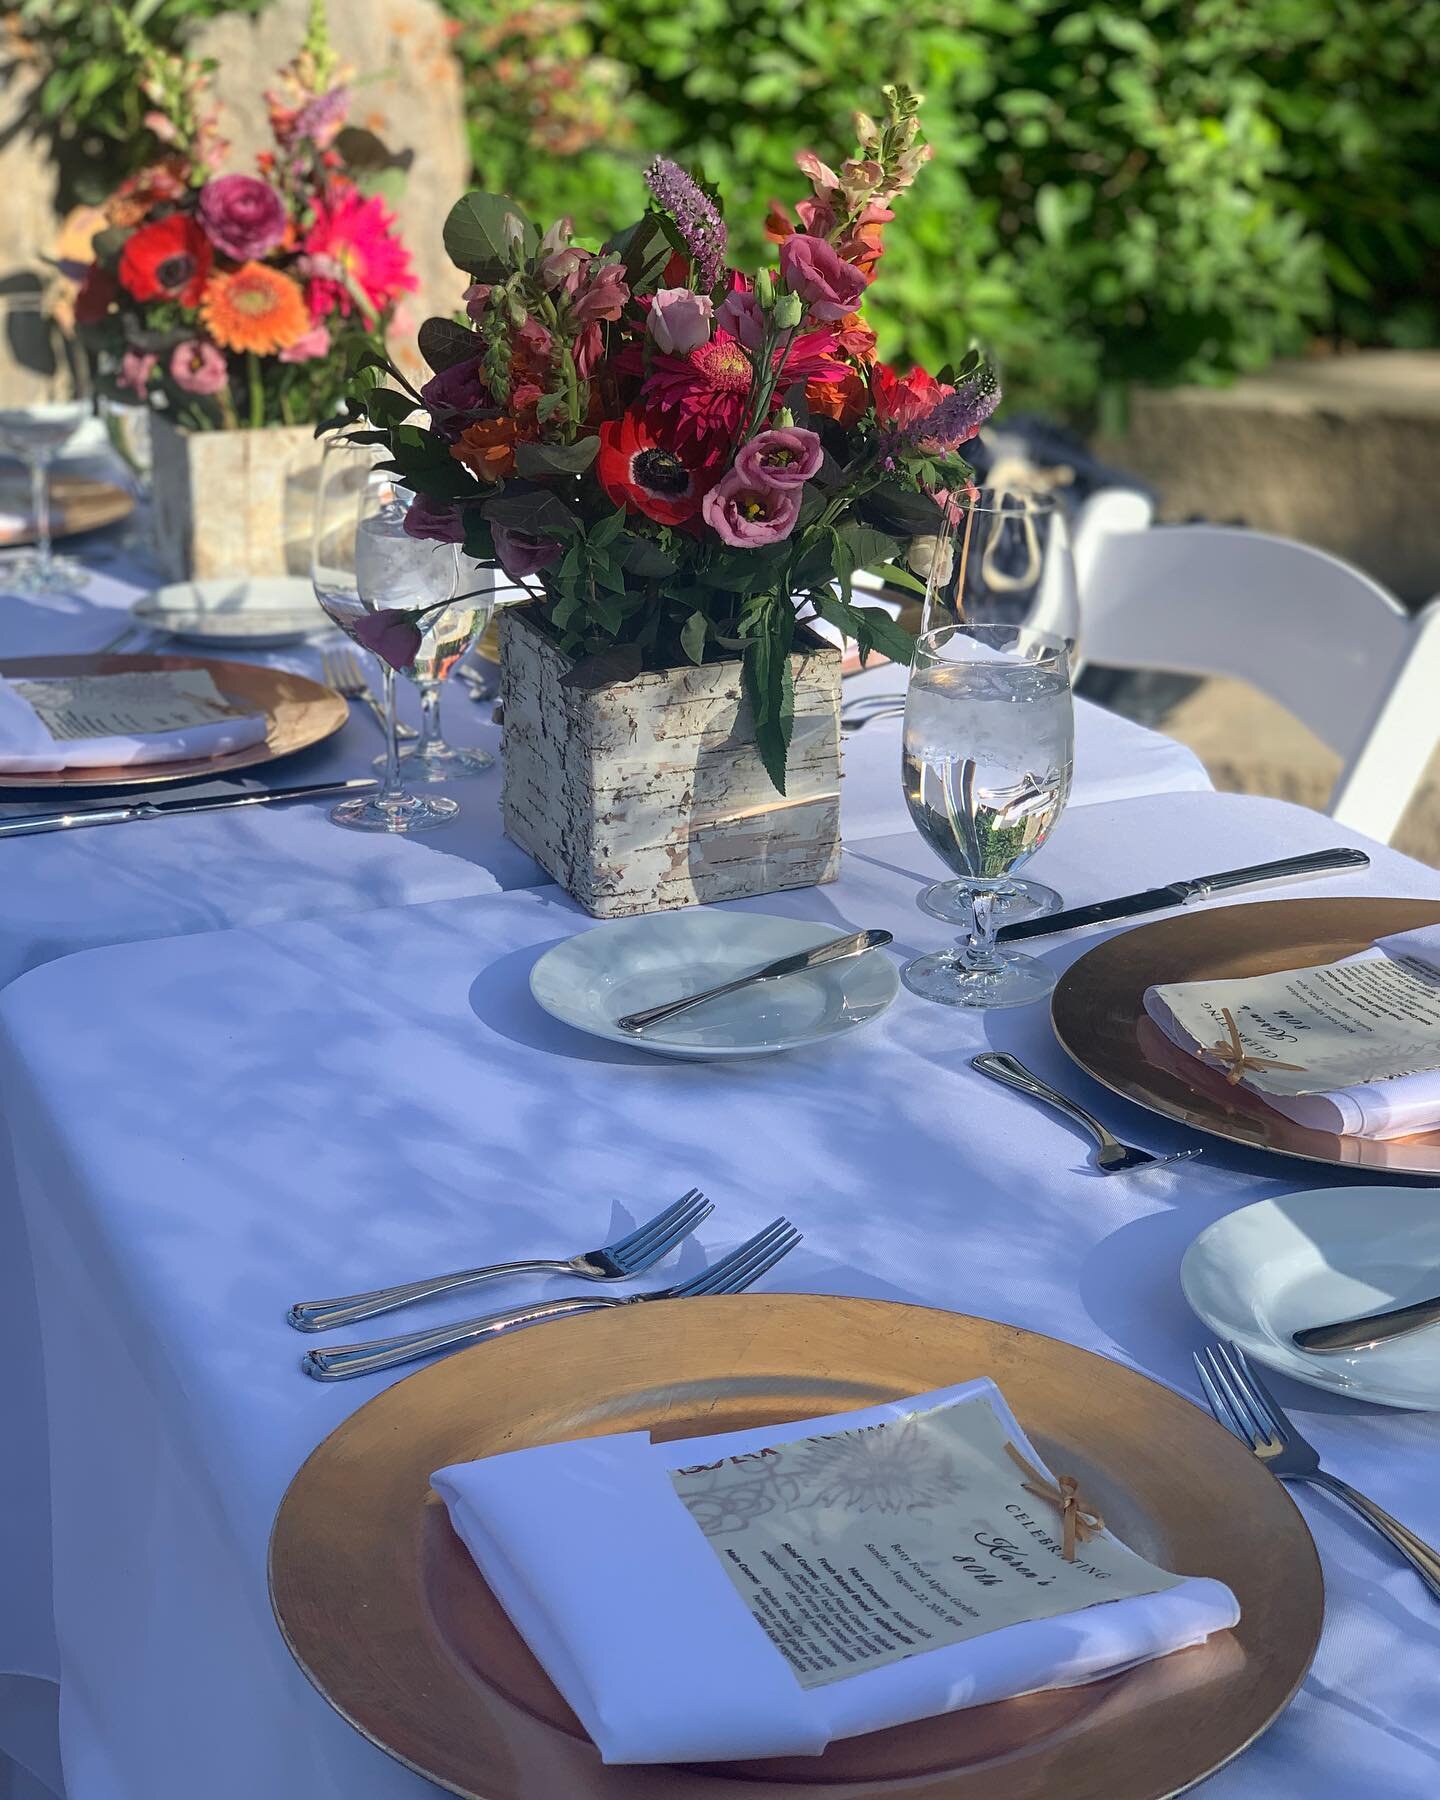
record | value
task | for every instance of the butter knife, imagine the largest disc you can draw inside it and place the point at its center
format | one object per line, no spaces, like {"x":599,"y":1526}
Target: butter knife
{"x":856,"y":943}
{"x":159,"y":809}
{"x":1180,"y":893}
{"x":1374,"y":1328}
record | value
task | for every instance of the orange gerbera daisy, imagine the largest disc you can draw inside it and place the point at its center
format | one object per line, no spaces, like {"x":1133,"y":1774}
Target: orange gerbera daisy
{"x":255,"y":308}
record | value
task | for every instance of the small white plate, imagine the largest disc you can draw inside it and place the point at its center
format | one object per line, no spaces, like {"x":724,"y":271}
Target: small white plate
{"x":598,"y":976}
{"x":1314,"y":1258}
{"x":263,"y":610}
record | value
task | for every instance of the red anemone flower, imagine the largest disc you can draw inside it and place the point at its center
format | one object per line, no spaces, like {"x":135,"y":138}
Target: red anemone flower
{"x":167,"y":260}
{"x":638,"y":473}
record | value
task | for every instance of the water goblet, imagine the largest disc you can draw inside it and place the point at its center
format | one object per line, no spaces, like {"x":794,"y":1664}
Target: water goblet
{"x":446,"y":639}
{"x":49,"y":382}
{"x":988,"y":751}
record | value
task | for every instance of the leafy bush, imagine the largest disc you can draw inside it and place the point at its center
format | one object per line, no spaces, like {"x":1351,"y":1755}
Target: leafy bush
{"x":1154,"y":190}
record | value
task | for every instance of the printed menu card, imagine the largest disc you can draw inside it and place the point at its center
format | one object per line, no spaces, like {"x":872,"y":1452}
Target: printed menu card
{"x":136,"y":702}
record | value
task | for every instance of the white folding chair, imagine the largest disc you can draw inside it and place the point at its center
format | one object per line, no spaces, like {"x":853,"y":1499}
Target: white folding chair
{"x":1328,"y":643}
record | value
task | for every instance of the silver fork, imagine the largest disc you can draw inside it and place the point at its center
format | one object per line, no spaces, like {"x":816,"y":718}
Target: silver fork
{"x":733,"y":1273}
{"x":1111,"y":1156}
{"x":342,"y":672}
{"x":1243,"y":1404}
{"x":630,"y":1255}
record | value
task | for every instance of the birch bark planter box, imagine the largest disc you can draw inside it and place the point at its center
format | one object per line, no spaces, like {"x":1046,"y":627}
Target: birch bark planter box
{"x":651,"y":794}
{"x":233,"y":502}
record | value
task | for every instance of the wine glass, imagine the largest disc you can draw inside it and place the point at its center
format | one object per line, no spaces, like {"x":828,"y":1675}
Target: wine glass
{"x":362,"y":561}
{"x":988,"y":749}
{"x":1002,"y":557}
{"x":49,"y":381}
{"x":446,"y":638}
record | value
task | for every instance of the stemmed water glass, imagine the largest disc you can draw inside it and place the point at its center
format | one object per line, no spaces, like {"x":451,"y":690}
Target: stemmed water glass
{"x":1002,"y":557}
{"x":363,"y":561}
{"x":50,"y":382}
{"x":446,"y":637}
{"x":989,"y":744}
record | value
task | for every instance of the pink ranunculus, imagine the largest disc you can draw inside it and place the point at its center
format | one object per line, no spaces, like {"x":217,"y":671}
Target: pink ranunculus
{"x":747,"y":514}
{"x":786,"y":457}
{"x":742,"y":316}
{"x":437,"y":520}
{"x":391,"y":634}
{"x":244,"y":217}
{"x":521,"y":553}
{"x":199,"y":367}
{"x":828,"y":285}
{"x":136,"y":368}
{"x":316,"y":342}
{"x":680,"y":320}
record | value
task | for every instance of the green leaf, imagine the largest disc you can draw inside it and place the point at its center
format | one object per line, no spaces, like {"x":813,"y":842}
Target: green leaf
{"x":443,"y":343}
{"x":770,"y":683}
{"x":902,"y":511}
{"x":692,"y":636}
{"x":885,"y":634}
{"x":478,"y":239}
{"x":538,"y":460}
{"x":535,"y":510}
{"x":386,"y":407}
{"x":644,"y":249}
{"x":642,"y":556}
{"x":895,"y":574}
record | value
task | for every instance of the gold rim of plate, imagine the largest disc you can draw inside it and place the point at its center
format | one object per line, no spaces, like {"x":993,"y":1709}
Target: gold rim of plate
{"x":1099,"y":1017}
{"x":77,"y":505}
{"x":386,"y":1613}
{"x":298,"y":713}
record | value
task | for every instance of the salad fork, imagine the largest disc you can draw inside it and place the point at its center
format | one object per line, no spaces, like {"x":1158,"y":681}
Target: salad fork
{"x":1246,"y":1407}
{"x":1111,"y":1156}
{"x":731,"y":1275}
{"x":632,"y":1254}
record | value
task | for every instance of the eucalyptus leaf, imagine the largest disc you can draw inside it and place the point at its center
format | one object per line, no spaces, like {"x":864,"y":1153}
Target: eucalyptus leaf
{"x":477,"y":238}
{"x":444,"y":343}
{"x":692,"y":636}
{"x":539,"y":460}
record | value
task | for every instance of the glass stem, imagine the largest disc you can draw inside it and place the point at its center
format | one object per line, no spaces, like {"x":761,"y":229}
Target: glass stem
{"x":430,"y":734}
{"x":40,"y":506}
{"x":392,"y":790}
{"x":977,"y":947}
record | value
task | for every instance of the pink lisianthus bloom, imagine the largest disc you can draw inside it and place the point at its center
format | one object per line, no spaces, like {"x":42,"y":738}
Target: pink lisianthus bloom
{"x":521,"y":553}
{"x":747,"y":514}
{"x":680,"y":320}
{"x":315,"y":342}
{"x":199,"y":367}
{"x":244,"y":218}
{"x":136,"y":368}
{"x":741,"y":315}
{"x":436,"y":520}
{"x":829,"y":286}
{"x":786,"y":457}
{"x":391,"y":634}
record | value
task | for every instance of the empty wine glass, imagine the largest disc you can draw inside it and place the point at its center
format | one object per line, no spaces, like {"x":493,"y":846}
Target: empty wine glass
{"x":363,"y":561}
{"x":988,"y":749}
{"x":1002,"y":557}
{"x":49,"y":383}
{"x":445,"y":638}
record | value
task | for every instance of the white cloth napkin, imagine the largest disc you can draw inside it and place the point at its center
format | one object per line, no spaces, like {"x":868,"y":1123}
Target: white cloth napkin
{"x":27,"y":747}
{"x":1393,"y":1108}
{"x":621,"y":1597}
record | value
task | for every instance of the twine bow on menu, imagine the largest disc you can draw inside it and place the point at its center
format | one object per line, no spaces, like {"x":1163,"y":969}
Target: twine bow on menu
{"x":1079,"y":1521}
{"x":1234,"y":1059}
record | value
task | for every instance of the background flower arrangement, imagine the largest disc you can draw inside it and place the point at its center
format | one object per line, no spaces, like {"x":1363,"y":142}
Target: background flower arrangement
{"x":680,"y":461}
{"x":232,"y":299}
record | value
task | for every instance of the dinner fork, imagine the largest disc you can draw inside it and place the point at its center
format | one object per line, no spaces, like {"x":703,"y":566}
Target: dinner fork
{"x":1111,"y":1156}
{"x":343,"y":673}
{"x":1243,"y":1404}
{"x":630,"y":1255}
{"x":731,"y":1275}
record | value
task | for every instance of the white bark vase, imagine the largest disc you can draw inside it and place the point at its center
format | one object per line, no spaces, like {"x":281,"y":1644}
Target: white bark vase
{"x":651,"y":794}
{"x":233,"y":502}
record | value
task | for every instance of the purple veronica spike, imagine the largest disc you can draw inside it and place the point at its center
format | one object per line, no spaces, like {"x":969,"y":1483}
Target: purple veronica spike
{"x":700,"y":225}
{"x":956,"y":418}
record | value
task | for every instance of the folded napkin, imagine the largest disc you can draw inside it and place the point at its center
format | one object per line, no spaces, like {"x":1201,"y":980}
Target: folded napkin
{"x":115,"y":721}
{"x":1351,"y":1048}
{"x":641,"y":1575}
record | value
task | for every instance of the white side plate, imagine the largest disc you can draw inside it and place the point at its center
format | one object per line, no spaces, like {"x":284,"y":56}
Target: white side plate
{"x":621,"y":967}
{"x":275,"y":609}
{"x":1317,"y":1257}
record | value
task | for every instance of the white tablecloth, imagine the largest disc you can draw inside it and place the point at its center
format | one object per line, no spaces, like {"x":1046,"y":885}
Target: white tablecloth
{"x":208,"y":1128}
{"x":112,"y":885}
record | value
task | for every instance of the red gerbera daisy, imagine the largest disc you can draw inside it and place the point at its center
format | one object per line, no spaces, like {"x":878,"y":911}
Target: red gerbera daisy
{"x":698,"y":401}
{"x":168,"y":260}
{"x":641,"y":475}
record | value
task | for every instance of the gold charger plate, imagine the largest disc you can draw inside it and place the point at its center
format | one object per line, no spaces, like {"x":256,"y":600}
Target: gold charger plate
{"x":298,"y":712}
{"x":77,"y":504}
{"x":1099,"y":1016}
{"x":389,"y":1617}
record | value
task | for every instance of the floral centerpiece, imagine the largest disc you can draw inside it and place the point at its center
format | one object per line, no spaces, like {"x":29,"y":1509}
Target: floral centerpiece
{"x":684,"y":462}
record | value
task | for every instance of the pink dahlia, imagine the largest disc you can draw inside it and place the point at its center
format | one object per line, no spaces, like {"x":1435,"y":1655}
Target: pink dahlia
{"x":353,"y":246}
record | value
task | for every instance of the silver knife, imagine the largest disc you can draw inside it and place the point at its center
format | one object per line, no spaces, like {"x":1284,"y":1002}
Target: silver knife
{"x":1180,"y":893}
{"x":856,"y":943}
{"x":1376,"y":1328}
{"x":159,"y":809}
